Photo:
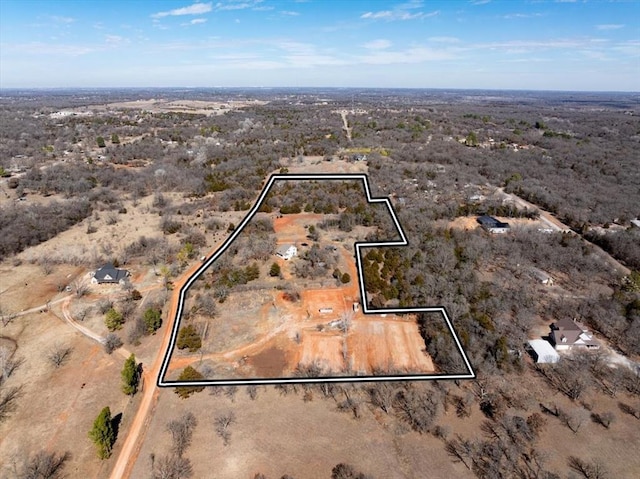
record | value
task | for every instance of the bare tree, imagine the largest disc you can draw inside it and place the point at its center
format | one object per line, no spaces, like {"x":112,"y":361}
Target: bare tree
{"x":42,"y":465}
{"x":575,"y":419}
{"x":222,"y":423}
{"x":81,"y":288}
{"x":104,"y":305}
{"x":462,"y":450}
{"x":382,"y":395}
{"x":58,"y":354}
{"x":252,"y":391}
{"x":630,"y":409}
{"x":9,"y":362}
{"x":8,"y":400}
{"x":112,"y":342}
{"x":172,"y":467}
{"x":588,"y":469}
{"x":6,"y":317}
{"x":605,"y":419}
{"x":181,"y":432}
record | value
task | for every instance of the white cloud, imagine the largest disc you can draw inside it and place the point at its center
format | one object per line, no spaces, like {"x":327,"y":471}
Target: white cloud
{"x":197,"y":21}
{"x":444,"y":39}
{"x":401,"y":12}
{"x":380,"y":44}
{"x":195,"y":9}
{"x":237,"y":5}
{"x":115,"y":40}
{"x":480,"y":2}
{"x":417,"y":54}
{"x":65,"y":20}
{"x":290,"y":13}
{"x":40,"y":48}
{"x":377,"y":15}
{"x":511,"y":16}
{"x":610,"y":26}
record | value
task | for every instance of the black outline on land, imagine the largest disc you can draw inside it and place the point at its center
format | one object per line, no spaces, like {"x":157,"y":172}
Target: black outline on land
{"x":358,"y":245}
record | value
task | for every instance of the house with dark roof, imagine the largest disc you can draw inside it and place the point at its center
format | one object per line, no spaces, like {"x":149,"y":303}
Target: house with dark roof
{"x":492,"y":225}
{"x":109,"y":274}
{"x":568,"y":334}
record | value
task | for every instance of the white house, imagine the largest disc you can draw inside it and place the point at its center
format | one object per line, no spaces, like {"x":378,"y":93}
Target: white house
{"x":287,"y":251}
{"x":543,"y":352}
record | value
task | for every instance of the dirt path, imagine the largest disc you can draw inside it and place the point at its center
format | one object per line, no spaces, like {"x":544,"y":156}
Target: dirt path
{"x":135,"y":434}
{"x":37,"y":309}
{"x":347,"y":129}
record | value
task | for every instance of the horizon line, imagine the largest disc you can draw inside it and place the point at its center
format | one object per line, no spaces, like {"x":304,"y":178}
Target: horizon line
{"x":284,"y":87}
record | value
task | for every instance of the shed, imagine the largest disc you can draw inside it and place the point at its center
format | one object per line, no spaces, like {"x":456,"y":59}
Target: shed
{"x":541,"y":277}
{"x":493,"y":225}
{"x":543,"y":352}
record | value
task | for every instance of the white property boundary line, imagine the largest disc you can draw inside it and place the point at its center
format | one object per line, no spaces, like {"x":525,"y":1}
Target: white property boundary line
{"x":358,"y":246}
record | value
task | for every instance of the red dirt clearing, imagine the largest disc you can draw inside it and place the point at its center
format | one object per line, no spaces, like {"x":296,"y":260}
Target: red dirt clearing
{"x":291,"y":228}
{"x":389,"y":344}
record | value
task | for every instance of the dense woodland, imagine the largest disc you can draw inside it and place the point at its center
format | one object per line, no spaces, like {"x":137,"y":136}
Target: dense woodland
{"x":575,"y":156}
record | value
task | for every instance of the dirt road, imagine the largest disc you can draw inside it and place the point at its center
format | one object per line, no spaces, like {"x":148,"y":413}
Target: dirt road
{"x":557,"y":225}
{"x":343,"y":114}
{"x":135,"y":435}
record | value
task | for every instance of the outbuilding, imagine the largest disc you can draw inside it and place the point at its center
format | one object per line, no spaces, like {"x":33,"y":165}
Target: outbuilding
{"x":492,"y":225}
{"x":543,"y":352}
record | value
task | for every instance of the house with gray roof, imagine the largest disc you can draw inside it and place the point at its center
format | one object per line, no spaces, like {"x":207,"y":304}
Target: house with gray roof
{"x":568,"y":334}
{"x":109,"y":274}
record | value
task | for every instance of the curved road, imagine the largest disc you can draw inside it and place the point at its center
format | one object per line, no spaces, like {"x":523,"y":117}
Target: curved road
{"x":135,"y":434}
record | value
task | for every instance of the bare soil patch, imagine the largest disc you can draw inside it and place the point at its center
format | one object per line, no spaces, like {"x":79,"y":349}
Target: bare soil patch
{"x":316,"y":164}
{"x":389,"y":344}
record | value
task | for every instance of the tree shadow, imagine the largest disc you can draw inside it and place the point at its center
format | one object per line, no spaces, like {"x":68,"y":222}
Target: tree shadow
{"x":115,"y":423}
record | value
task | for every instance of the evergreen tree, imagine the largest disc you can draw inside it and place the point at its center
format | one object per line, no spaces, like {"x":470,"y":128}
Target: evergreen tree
{"x":275,"y":270}
{"x":102,"y":433}
{"x":130,"y":376}
{"x":188,"y":337}
{"x":152,"y":320}
{"x":189,"y":374}
{"x":113,"y":320}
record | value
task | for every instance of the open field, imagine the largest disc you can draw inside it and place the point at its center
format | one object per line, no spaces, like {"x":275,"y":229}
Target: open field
{"x":317,"y":438}
{"x":196,"y":107}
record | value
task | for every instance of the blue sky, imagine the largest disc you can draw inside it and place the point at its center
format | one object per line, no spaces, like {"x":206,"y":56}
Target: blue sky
{"x":495,"y":44}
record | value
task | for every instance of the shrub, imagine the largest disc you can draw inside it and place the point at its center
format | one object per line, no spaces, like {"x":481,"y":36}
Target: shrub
{"x":189,"y":374}
{"x":188,"y":338}
{"x":135,"y":295}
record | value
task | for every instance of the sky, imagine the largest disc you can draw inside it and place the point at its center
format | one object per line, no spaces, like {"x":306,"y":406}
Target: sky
{"x":571,"y":45}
